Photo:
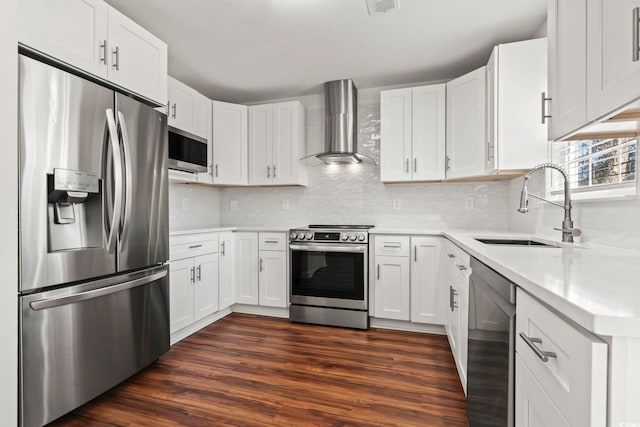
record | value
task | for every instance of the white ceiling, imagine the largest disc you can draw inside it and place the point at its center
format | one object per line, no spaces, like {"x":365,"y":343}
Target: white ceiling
{"x":255,"y":50}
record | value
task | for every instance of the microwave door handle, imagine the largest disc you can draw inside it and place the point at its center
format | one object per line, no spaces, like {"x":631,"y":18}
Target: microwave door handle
{"x":117,"y":178}
{"x":128,"y":176}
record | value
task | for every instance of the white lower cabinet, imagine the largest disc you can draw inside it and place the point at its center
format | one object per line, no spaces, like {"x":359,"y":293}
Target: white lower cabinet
{"x":426,"y":289}
{"x":392,"y":287}
{"x":534,"y":408}
{"x":569,"y":364}
{"x":193,"y":280}
{"x":246,"y":257}
{"x":226,"y":271}
{"x":272,"y":281}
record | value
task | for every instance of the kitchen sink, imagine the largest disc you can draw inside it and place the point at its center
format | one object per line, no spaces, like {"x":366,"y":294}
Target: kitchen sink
{"x":516,"y":242}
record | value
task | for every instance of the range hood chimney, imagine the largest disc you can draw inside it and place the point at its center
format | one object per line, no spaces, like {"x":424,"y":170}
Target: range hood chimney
{"x":340,"y":125}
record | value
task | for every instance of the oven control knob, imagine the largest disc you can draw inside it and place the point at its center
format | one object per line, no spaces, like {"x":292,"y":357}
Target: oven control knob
{"x":308,"y":235}
{"x":361,"y":237}
{"x":353,"y":237}
{"x":344,"y":236}
{"x":294,"y":236}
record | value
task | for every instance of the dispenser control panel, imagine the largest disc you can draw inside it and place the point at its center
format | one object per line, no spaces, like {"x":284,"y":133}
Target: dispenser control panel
{"x":70,"y":180}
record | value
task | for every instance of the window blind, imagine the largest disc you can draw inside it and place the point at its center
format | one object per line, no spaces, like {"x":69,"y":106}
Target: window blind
{"x":595,"y":164}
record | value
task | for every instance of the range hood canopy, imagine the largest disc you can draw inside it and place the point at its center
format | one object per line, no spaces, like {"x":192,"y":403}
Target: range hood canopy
{"x":340,"y":124}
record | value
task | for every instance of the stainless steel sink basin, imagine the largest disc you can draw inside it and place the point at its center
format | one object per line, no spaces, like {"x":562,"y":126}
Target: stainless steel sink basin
{"x":516,"y":242}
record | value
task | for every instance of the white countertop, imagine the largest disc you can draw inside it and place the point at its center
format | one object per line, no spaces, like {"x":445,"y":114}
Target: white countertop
{"x":596,"y":287}
{"x":219,"y":228}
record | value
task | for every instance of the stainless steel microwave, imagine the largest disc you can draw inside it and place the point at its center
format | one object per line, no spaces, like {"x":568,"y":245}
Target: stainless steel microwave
{"x":187,"y":152}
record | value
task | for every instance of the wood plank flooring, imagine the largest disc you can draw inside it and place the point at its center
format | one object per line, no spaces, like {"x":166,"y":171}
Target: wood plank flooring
{"x":249,"y":370}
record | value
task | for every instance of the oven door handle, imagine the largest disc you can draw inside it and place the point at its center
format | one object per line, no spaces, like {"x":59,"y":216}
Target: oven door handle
{"x":328,"y":248}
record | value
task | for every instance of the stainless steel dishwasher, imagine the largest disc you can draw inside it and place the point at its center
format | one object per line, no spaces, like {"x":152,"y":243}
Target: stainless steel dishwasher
{"x":490,"y":370}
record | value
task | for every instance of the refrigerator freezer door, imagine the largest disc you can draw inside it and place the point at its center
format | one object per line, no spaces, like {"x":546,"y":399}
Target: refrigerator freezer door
{"x":144,"y":232}
{"x":66,"y":177}
{"x":79,"y":341}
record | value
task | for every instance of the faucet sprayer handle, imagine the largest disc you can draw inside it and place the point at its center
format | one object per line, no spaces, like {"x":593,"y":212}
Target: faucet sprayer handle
{"x":576,"y":232}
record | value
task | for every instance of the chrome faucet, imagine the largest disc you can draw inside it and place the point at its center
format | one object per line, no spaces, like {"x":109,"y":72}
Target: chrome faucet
{"x":568,"y":232}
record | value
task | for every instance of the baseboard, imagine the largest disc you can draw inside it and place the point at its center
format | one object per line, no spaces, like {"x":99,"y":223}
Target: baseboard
{"x":401,"y":325}
{"x":195,"y":327}
{"x":260,"y":310}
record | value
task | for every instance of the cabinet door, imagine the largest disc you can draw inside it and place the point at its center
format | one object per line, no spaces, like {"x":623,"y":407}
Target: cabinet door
{"x":534,"y":408}
{"x":491,"y":144}
{"x":73,"y":31}
{"x":567,"y":66}
{"x":260,"y":145}
{"x":273,"y":278}
{"x":613,"y":78}
{"x":466,"y":125}
{"x":286,"y":142}
{"x":138,"y":58}
{"x":246,"y":267}
{"x":462,"y":309}
{"x":395,"y":135}
{"x":226,"y":273}
{"x":205,"y":130}
{"x":182,"y":106}
{"x":205,"y":288}
{"x":392,"y":288}
{"x":229,"y":143}
{"x":181,"y":277}
{"x":428,"y":110}
{"x":426,"y":290}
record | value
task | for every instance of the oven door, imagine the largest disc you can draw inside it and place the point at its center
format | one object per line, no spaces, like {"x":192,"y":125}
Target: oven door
{"x":329,"y":275}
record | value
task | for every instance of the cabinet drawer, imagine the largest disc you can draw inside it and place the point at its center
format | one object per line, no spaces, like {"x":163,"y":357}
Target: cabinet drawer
{"x":272,"y":241}
{"x":456,"y":255}
{"x":392,"y":245}
{"x":190,"y":245}
{"x":575,"y":377}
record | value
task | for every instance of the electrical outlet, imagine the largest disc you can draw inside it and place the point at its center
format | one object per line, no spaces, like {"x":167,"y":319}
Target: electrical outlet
{"x":184,"y":204}
{"x":233,"y":205}
{"x":396,"y":204}
{"x":468,"y":202}
{"x":285,"y":204}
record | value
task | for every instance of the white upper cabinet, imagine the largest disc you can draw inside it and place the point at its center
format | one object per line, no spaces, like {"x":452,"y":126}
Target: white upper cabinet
{"x":182,"y":107}
{"x":229,"y":144}
{"x":466,"y":125}
{"x":138,"y":58}
{"x":204,"y":113}
{"x":516,"y":79}
{"x":73,"y":31}
{"x":276,"y":143}
{"x":413,"y":134}
{"x":567,"y":67}
{"x":613,"y":61}
{"x":94,"y":37}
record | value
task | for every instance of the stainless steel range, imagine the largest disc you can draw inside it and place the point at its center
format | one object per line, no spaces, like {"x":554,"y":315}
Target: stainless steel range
{"x":329,"y":281}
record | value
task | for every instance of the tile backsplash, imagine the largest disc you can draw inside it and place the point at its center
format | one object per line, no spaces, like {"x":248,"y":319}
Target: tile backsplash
{"x":193,"y":206}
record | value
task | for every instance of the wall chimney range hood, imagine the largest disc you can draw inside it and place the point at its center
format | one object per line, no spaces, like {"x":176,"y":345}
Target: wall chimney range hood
{"x":340,"y":124}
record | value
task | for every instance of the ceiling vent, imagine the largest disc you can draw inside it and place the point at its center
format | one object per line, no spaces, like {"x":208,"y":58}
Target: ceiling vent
{"x":376,"y":7}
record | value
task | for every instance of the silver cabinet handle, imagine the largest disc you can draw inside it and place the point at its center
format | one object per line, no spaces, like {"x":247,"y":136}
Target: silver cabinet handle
{"x":393,"y":245}
{"x":461,"y":267}
{"x":378,"y":274}
{"x":216,"y":170}
{"x":174,"y":107}
{"x":543,"y":102}
{"x":271,"y":241}
{"x":407,"y":165}
{"x":415,"y":165}
{"x":268,"y":171}
{"x":199,"y":273}
{"x":195,"y":246}
{"x":542,"y":355}
{"x":260,"y":264}
{"x":103,"y":52}
{"x":451,"y":255}
{"x":415,"y":253}
{"x":447,"y":161}
{"x":636,"y":34}
{"x":193,"y":274}
{"x":452,"y":298}
{"x":116,"y":58}
{"x":95,"y":293}
{"x":274,"y":171}
{"x":210,"y":169}
{"x":223,"y":248}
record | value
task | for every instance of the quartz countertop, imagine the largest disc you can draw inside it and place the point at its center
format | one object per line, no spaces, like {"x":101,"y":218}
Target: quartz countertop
{"x":597,"y":287}
{"x":219,"y":228}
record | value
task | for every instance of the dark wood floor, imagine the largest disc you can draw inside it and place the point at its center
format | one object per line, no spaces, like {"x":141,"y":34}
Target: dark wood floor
{"x":254,"y":371}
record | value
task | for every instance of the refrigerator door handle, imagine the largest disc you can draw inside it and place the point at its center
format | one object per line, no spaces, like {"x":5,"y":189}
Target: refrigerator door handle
{"x":83,"y":296}
{"x":117,"y":178}
{"x":128,"y":175}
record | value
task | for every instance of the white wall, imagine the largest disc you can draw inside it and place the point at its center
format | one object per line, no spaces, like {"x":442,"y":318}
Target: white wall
{"x":9,"y":215}
{"x":193,"y":206}
{"x":611,"y":223}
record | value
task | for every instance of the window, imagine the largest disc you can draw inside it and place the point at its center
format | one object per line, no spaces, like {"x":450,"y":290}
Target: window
{"x":596,"y":168}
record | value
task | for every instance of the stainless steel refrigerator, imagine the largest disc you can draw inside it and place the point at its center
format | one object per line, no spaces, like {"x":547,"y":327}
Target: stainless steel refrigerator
{"x":93,"y":218}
